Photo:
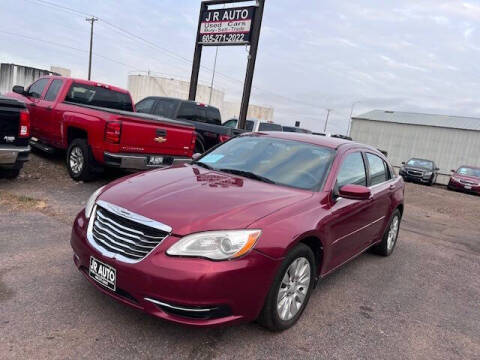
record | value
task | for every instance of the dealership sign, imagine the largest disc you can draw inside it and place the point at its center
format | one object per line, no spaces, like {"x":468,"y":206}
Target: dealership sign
{"x":226,"y":26}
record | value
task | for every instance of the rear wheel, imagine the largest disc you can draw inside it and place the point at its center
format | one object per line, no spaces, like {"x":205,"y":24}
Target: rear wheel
{"x":389,"y":240}
{"x":80,"y":163}
{"x":290,"y":290}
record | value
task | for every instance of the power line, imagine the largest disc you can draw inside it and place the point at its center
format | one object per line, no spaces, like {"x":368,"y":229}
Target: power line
{"x":168,"y":52}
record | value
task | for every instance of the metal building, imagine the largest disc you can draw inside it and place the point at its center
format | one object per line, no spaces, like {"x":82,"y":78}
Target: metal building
{"x":450,"y":141}
{"x":12,"y":74}
{"x":141,"y":86}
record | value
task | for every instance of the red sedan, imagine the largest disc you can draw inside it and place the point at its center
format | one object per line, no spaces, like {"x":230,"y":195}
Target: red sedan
{"x":466,"y":179}
{"x":244,"y":232}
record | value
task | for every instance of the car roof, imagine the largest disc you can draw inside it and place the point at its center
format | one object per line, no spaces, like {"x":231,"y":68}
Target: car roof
{"x":87,"y":82}
{"x":326,"y":141}
{"x":181,"y":100}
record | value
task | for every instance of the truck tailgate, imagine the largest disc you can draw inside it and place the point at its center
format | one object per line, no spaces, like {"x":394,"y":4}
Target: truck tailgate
{"x":9,"y":119}
{"x":156,"y":137}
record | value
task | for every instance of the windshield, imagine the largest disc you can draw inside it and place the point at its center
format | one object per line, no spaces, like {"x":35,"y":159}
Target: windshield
{"x":99,"y":96}
{"x":284,"y":162}
{"x":425,"y":164}
{"x":469,"y":172}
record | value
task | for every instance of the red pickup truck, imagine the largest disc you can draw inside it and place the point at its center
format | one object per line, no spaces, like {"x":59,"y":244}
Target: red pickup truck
{"x":97,"y":125}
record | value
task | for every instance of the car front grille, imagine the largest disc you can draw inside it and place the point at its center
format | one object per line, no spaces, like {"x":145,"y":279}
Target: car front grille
{"x":467,"y":182}
{"x":414,"y":173}
{"x":123,"y":236}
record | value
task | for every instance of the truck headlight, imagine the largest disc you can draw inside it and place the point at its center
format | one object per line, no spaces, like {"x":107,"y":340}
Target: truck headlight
{"x":216,"y":245}
{"x":91,"y":202}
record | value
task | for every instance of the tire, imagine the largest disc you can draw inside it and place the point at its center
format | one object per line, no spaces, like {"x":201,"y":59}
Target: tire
{"x":80,"y":162}
{"x":387,"y":245}
{"x":278,"y":320}
{"x":10,"y":173}
{"x":199,"y":147}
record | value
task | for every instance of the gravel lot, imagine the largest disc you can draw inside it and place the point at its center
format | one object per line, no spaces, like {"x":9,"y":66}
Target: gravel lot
{"x":421,"y":303}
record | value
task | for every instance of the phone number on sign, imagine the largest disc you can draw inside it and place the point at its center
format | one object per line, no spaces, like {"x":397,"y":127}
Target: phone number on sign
{"x":223,"y":38}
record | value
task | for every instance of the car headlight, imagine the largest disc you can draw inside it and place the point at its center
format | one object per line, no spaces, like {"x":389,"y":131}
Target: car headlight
{"x":91,"y":202}
{"x":216,"y":245}
{"x":427,"y":173}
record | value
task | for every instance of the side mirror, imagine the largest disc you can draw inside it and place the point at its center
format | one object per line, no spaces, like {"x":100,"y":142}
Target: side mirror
{"x":19,"y":89}
{"x":196,"y":156}
{"x":355,"y":192}
{"x":437,"y":168}
{"x":453,"y":171}
{"x":403,"y":162}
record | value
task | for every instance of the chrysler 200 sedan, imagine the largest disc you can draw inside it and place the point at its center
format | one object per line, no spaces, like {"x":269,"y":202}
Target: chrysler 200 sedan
{"x":243,"y":232}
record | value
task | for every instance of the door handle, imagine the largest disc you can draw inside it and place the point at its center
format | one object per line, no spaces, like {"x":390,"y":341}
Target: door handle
{"x":392,"y":187}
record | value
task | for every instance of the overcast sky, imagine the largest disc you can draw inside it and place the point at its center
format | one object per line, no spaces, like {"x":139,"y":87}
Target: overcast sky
{"x":406,"y":55}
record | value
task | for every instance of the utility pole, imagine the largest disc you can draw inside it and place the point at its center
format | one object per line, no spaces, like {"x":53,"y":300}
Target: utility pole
{"x":326,"y":121}
{"x":213,"y":75}
{"x":91,"y":21}
{"x":350,"y":120}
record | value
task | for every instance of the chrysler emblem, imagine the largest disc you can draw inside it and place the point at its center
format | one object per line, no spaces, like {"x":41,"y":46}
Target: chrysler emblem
{"x":160,"y":139}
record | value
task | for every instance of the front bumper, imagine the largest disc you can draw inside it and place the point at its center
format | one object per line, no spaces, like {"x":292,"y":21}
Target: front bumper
{"x":420,"y":179}
{"x":10,"y":155}
{"x":140,"y":161}
{"x":470,"y":188}
{"x":189,"y":291}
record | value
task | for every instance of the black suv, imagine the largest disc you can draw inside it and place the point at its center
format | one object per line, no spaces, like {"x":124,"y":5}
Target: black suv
{"x":419,"y":170}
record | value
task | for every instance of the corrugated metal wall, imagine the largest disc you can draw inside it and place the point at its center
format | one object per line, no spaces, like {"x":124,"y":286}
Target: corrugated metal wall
{"x":449,"y":148}
{"x":11,"y":74}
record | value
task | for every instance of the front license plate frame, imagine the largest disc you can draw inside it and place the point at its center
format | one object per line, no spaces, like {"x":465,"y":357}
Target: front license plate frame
{"x":104,"y":274}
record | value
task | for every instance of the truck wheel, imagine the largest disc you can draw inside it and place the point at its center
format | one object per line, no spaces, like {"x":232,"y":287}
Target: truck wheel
{"x":290,"y":290}
{"x":10,"y":173}
{"x":199,"y":147}
{"x":80,"y":161}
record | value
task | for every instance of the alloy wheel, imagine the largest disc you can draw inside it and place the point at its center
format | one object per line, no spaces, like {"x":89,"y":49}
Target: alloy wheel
{"x":76,"y":160}
{"x":393,"y":232}
{"x":293,"y":288}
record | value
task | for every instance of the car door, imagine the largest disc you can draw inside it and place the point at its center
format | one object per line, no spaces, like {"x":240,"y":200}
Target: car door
{"x":47,"y":115}
{"x":347,"y":226}
{"x":381,"y":188}
{"x":33,"y":95}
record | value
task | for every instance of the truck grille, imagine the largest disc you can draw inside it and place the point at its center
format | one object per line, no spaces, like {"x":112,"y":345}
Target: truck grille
{"x":120,"y":235}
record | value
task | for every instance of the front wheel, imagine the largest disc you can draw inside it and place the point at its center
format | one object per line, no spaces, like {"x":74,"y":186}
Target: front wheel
{"x":290,"y":290}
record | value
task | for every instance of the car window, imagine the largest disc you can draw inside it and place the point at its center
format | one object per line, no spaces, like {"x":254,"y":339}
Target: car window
{"x":377,"y":169}
{"x":469,"y":172}
{"x":99,"y":96}
{"x":145,"y":106}
{"x":213,"y":116}
{"x":352,"y":171}
{"x":190,"y":111}
{"x":36,"y":89}
{"x":425,"y":164}
{"x":231,"y":124}
{"x":284,"y":162}
{"x":53,"y":90}
{"x":265,"y":126}
{"x":166,"y":108}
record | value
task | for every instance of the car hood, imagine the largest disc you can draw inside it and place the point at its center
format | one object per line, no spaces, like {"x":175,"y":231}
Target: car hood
{"x":192,"y":199}
{"x":416,"y":168}
{"x":467,"y":178}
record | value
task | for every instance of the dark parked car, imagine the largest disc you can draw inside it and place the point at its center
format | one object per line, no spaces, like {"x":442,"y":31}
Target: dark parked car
{"x":14,"y":136}
{"x":419,"y":170}
{"x":205,"y":118}
{"x":466,"y":178}
{"x":243,"y":232}
{"x":296,"y":129}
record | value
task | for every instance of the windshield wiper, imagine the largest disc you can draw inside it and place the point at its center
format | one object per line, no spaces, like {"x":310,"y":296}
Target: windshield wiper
{"x":206,"y":166}
{"x":249,"y":175}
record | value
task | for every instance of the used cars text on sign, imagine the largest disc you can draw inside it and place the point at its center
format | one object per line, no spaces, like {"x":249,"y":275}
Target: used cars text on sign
{"x":226,"y":26}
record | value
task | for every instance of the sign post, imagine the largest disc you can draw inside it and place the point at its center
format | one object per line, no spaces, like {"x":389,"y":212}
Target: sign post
{"x":227,"y":27}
